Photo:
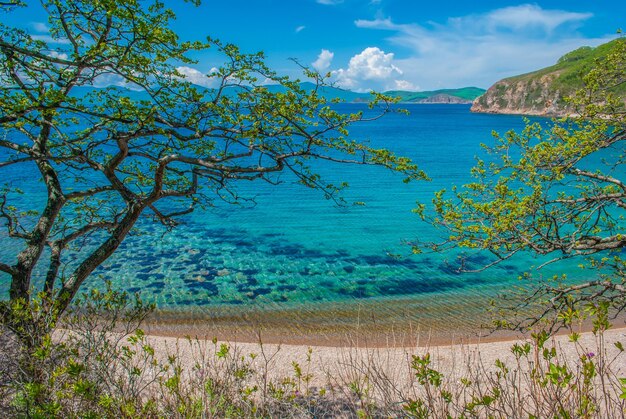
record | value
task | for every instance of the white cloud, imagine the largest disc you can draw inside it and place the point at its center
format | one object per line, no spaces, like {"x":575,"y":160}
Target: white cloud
{"x":300,"y":28}
{"x":531,"y":15}
{"x":480,"y":49}
{"x":330,"y":2}
{"x":108,"y":80}
{"x":370,"y":69}
{"x":50,"y":40}
{"x":59,"y":55}
{"x":43,"y":34}
{"x":323,"y":60}
{"x":406,"y":85}
{"x":197,"y":77}
{"x":40,"y":27}
{"x":377,"y":24}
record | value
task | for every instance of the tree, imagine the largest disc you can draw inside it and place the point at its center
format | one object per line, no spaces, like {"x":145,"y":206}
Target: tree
{"x":109,"y":156}
{"x":558,"y":191}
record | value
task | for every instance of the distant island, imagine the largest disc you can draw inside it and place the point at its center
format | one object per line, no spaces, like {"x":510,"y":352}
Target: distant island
{"x":463,"y":95}
{"x":543,"y":92}
{"x":444,"y":96}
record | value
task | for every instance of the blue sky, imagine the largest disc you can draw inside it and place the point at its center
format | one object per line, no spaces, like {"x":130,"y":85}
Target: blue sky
{"x":390,"y":44}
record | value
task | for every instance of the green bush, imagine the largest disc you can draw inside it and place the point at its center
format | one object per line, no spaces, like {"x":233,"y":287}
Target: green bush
{"x":96,"y":362}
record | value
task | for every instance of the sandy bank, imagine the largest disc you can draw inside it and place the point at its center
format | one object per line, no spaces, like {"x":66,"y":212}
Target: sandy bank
{"x":392,"y":362}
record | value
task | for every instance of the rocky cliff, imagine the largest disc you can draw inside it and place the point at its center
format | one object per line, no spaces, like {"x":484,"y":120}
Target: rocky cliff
{"x":543,"y":92}
{"x":445,"y":96}
{"x":533,"y":96}
{"x":445,"y":99}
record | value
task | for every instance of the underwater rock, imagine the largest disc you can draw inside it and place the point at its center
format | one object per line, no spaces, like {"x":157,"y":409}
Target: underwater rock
{"x":348,"y":268}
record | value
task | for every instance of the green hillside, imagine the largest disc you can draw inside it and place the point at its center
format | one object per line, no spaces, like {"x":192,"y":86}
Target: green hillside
{"x":543,"y":92}
{"x":329,"y":92}
{"x":467,"y":93}
{"x":573,"y":66}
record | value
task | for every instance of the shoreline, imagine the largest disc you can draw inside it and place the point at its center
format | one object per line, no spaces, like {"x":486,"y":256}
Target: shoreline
{"x":329,"y":364}
{"x":376,"y":322}
{"x":381,"y":323}
{"x":357,"y":338}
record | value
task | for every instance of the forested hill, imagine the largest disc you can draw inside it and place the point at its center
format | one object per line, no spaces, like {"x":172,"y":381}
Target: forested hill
{"x":444,"y":96}
{"x":462,"y":95}
{"x":542,"y":92}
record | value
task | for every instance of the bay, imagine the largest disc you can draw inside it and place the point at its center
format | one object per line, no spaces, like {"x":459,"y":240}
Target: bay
{"x":291,"y":248}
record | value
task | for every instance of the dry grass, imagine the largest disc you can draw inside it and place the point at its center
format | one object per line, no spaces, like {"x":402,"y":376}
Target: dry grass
{"x":106,"y":367}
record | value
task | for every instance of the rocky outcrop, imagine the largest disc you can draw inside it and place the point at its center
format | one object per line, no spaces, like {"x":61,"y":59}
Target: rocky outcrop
{"x":543,"y":92}
{"x":445,"y":99}
{"x":524,"y":95}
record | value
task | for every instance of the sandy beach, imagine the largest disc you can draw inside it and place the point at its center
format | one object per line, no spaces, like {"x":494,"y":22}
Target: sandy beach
{"x":392,"y":361}
{"x":381,"y":323}
{"x":398,"y":322}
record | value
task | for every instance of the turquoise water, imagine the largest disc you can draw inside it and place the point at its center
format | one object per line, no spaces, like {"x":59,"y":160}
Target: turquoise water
{"x":293,"y":248}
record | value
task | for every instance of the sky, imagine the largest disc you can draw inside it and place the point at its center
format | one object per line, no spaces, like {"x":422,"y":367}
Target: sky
{"x":394,"y":44}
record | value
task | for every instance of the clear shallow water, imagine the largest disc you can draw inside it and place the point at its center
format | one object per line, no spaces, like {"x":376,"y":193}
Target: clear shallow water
{"x":294,"y":249}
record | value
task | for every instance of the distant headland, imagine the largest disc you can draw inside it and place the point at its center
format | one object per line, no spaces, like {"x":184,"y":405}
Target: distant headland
{"x":544,"y":92}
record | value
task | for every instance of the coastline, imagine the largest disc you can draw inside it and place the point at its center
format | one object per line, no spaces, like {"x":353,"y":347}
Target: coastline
{"x":370,"y":322}
{"x":397,"y":322}
{"x":358,"y":336}
{"x":330,"y":364}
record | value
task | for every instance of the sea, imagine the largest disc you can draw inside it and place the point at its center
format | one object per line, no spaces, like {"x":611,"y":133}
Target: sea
{"x":288,"y":249}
